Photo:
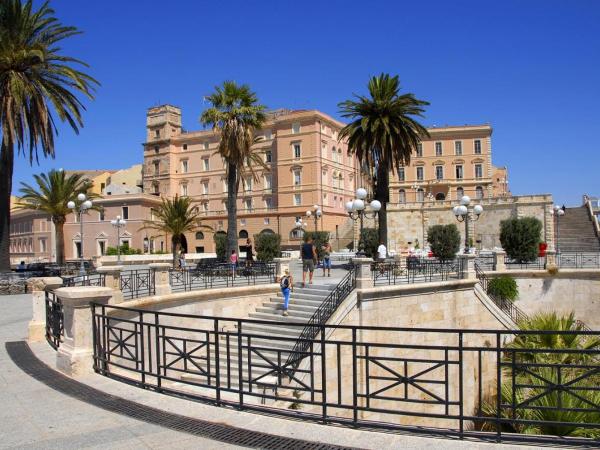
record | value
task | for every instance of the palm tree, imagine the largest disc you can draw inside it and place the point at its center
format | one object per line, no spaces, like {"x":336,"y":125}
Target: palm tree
{"x":383,"y":134}
{"x":175,"y":217}
{"x":235,"y":115}
{"x":35,"y":78}
{"x":54,"y":190}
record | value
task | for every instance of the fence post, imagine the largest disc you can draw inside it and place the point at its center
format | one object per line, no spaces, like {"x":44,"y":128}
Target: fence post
{"x":112,"y":279}
{"x":37,"y":287}
{"x":74,"y":356}
{"x":468,"y":266}
{"x":364,"y":278}
{"x":162,"y":285}
{"x":551,"y":260}
{"x":282,"y":265}
{"x":499,"y":264}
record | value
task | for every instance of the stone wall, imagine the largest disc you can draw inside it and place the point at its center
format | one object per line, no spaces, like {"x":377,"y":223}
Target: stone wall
{"x":410,"y":221}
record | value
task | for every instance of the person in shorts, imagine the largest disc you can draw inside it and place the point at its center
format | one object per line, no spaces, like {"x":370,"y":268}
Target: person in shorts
{"x":308,"y":253}
{"x":327,"y":258}
{"x":286,"y":282}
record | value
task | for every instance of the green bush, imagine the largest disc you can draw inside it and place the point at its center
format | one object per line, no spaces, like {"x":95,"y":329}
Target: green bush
{"x":220,"y":245}
{"x":520,"y":238}
{"x":319,"y":239}
{"x":369,"y":241}
{"x":125,"y":250}
{"x":503,"y":287}
{"x":444,"y":240}
{"x":268,"y":246}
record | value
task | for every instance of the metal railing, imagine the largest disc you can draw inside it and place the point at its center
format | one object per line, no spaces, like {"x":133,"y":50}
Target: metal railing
{"x":54,"y":320}
{"x":91,"y":279}
{"x":538,"y":263}
{"x":416,"y":270}
{"x":137,"y":283}
{"x":486,"y":261}
{"x":222,"y":275}
{"x":472,"y":383}
{"x":578,"y":260}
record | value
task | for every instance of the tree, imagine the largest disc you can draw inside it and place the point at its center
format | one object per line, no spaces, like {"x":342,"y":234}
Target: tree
{"x":369,"y":241}
{"x":37,"y":82}
{"x":175,"y":217}
{"x":268,"y":246}
{"x":520,"y":238}
{"x":54,"y":190}
{"x":383,"y":134}
{"x":221,"y":246}
{"x":235,"y":115}
{"x":444,"y":241}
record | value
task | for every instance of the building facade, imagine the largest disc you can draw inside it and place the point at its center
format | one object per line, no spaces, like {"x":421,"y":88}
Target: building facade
{"x":31,"y":237}
{"x":306,"y":164}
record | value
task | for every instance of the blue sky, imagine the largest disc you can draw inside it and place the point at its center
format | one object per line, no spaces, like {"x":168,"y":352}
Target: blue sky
{"x":530,"y":68}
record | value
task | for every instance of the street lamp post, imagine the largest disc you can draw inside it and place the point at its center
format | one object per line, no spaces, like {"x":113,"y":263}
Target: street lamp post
{"x":462,"y":214}
{"x":558,"y":212}
{"x":79,"y":208}
{"x":118,"y":223}
{"x":317,"y":215}
{"x":357,"y":210}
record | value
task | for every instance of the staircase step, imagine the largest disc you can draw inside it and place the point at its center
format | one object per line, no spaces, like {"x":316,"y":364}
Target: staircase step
{"x":298,"y":316}
{"x":302,"y":295}
{"x":292,"y":306}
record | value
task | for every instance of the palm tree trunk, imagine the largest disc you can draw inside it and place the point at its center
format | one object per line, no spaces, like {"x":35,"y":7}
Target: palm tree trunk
{"x":231,"y":209}
{"x":174,"y":243}
{"x":60,"y":240}
{"x":382,"y":193}
{"x":6,"y":174}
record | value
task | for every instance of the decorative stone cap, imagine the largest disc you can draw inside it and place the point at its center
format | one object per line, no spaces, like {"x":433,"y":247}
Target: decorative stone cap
{"x":107,"y":269}
{"x":41,"y":283}
{"x":83,"y":294}
{"x":467,"y":255}
{"x":499,"y":252}
{"x":360,"y":260}
{"x":282,"y":259}
{"x":160,"y":265}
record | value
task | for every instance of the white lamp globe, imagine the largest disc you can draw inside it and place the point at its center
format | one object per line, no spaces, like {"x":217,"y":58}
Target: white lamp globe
{"x":81,"y":197}
{"x":560,"y":212}
{"x":465,"y":200}
{"x":87,"y":204}
{"x":375,"y":205}
{"x":315,"y":207}
{"x":304,"y":224}
{"x":358,"y":204}
{"x":455,"y":210}
{"x":71,"y":205}
{"x":308,"y":213}
{"x":319,"y":213}
{"x":478,"y":209}
{"x":349,"y":206}
{"x":462,"y":210}
{"x":361,"y":194}
{"x":118,"y":217}
{"x":114,"y":222}
{"x":556,"y":207}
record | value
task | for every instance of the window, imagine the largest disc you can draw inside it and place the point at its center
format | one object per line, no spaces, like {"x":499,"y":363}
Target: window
{"x":205,"y":187}
{"x":268,"y":181}
{"x":101,"y":248}
{"x":458,"y":148}
{"x":125,"y":212}
{"x":459,"y":172}
{"x":479,"y":192}
{"x":268,"y":156}
{"x":185,"y":146}
{"x":243,"y":234}
{"x":438,"y":149}
{"x":297,"y":150}
{"x":401,"y":196}
{"x":477,"y":146}
{"x":242,"y":222}
{"x":224,"y":185}
{"x":248,"y":184}
{"x":206,"y":164}
{"x":420,"y":195}
{"x":248,"y":204}
{"x":156,"y":149}
{"x":101,"y":215}
{"x":266,"y":221}
{"x":269,"y":203}
{"x":42,"y":245}
{"x":460,"y":192}
{"x":478,"y":171}
{"x":401,"y":174}
{"x":297,"y":178}
{"x":420,"y":173}
{"x":156,"y":188}
{"x":439,"y":172}
{"x":296,"y":128}
{"x":199,"y":235}
{"x":205,"y":145}
{"x":156,"y":133}
{"x":297,"y":199}
{"x":200,"y":249}
{"x":324,"y":177}
{"x":184,"y":190}
{"x":184,"y":166}
{"x":156,"y":168}
{"x":420,"y":149}
{"x":296,"y":233}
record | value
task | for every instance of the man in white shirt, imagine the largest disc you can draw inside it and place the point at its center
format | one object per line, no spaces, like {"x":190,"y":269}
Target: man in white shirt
{"x":381,"y":252}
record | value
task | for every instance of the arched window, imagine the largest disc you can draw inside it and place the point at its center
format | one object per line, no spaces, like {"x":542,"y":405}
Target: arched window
{"x":460,"y":192}
{"x":199,"y":235}
{"x":267,"y":231}
{"x":401,"y":196}
{"x":440,"y":196}
{"x":296,"y":233}
{"x":479,"y":192}
{"x":420,"y":195}
{"x":221,"y":232}
{"x":243,"y":234}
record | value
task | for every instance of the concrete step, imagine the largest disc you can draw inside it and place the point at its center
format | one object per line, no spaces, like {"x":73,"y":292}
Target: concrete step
{"x":301,"y":295}
{"x":293,"y":306}
{"x":298,"y":316}
{"x":274,"y":309}
{"x":268,"y":330}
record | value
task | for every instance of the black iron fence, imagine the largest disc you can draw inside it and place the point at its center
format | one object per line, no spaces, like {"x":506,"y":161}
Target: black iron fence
{"x":505,"y":305}
{"x":538,"y":263}
{"x":486,"y":261}
{"x":501,"y":385}
{"x":91,"y":279}
{"x":415,"y":270}
{"x":222,"y":275}
{"x":576,"y":260}
{"x":137,"y":283}
{"x":54,"y":320}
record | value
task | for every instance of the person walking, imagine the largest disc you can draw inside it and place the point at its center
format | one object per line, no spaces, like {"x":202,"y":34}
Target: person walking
{"x":233,"y":260}
{"x":182,"y":260}
{"x":381,"y":252}
{"x":249,"y":253}
{"x":286,"y":282}
{"x":308,"y":253}
{"x":327,"y":259}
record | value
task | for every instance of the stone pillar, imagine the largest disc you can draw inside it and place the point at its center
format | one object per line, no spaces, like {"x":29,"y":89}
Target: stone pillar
{"x":468,"y":266}
{"x":162,"y":284}
{"x":283,"y":264}
{"x":74,"y":356}
{"x":364,"y":278}
{"x":551,"y":260}
{"x":499,"y":256}
{"x":37,"y":287}
{"x":112,"y":279}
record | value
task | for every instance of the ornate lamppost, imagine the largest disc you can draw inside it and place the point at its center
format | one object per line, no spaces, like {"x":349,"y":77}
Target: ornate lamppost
{"x":118,"y":223}
{"x":558,"y":212}
{"x":462,"y":214}
{"x":357,"y":209}
{"x":79,"y":208}
{"x":317,"y":215}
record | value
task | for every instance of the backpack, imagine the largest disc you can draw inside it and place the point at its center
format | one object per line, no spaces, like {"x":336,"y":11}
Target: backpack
{"x":285,"y":282}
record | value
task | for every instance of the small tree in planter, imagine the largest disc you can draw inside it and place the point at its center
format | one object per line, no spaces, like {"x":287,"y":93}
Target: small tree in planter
{"x":444,"y":241}
{"x":268,"y":246}
{"x":504,"y":287}
{"x":520,"y":238}
{"x":369,"y":241}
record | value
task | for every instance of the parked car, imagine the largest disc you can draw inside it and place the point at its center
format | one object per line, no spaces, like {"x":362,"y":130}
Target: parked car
{"x":39,"y":270}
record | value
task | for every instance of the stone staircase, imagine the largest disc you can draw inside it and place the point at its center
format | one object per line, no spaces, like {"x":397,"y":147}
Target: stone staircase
{"x":576,"y":231}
